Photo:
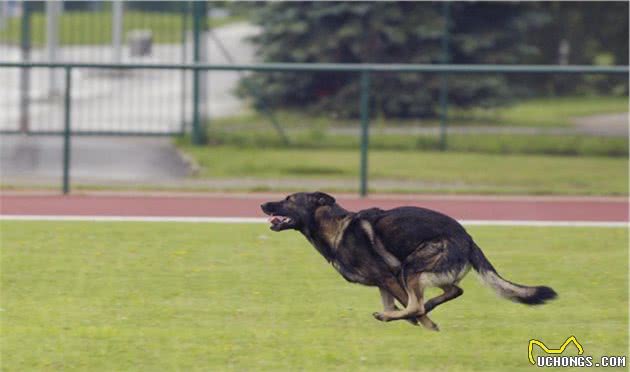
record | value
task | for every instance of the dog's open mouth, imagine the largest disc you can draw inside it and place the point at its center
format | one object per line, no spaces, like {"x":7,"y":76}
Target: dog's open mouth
{"x":280,"y":222}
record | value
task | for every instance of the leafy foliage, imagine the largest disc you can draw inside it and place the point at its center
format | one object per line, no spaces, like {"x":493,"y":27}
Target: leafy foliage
{"x":593,"y":33}
{"x":376,"y":32}
{"x":411,"y":32}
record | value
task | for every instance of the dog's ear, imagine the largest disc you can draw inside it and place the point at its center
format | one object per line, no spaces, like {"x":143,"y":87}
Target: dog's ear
{"x":323,"y":198}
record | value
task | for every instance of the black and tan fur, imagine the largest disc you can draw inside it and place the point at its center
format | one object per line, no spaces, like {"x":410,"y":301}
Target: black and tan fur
{"x":401,"y":251}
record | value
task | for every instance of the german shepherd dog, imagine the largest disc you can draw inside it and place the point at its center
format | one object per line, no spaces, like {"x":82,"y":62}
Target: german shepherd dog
{"x":401,"y":251}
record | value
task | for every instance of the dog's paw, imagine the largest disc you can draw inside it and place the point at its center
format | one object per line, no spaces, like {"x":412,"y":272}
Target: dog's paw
{"x":380,"y":316}
{"x":430,"y":326}
{"x":412,"y":321}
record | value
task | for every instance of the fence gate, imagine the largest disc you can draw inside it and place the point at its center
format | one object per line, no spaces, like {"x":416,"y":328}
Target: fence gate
{"x":105,"y":101}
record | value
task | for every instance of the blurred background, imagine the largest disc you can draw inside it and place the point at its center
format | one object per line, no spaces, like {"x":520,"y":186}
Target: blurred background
{"x":242,"y":130}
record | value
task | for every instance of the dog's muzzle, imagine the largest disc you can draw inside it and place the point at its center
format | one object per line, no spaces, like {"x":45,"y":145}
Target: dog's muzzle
{"x":278,"y":221}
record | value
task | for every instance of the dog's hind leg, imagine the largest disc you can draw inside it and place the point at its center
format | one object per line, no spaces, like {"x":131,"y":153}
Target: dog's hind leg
{"x":415,"y":304}
{"x":387,"y":299}
{"x":451,"y":292}
{"x":388,"y":302}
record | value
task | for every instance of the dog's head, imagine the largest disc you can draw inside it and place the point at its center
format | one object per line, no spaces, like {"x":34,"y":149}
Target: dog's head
{"x":296,"y":210}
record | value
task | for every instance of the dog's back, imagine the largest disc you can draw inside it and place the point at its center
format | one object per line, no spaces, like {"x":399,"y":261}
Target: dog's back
{"x":403,"y":229}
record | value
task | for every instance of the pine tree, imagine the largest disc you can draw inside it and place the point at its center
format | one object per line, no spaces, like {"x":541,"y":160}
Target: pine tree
{"x":389,"y":32}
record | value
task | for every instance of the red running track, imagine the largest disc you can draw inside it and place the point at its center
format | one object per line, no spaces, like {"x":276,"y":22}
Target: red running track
{"x":231,"y":205}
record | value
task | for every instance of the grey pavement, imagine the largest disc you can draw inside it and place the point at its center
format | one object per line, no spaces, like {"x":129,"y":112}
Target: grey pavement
{"x":133,"y":101}
{"x":39,"y":159}
{"x":605,"y":125}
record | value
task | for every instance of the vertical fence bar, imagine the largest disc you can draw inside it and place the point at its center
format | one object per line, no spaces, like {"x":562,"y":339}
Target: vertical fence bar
{"x":117,"y":30}
{"x":184,"y":58}
{"x":53,"y":13}
{"x":444,"y":77}
{"x":67,"y":130}
{"x":365,"y":129}
{"x":3,"y":21}
{"x":197,"y":138}
{"x":25,"y":78}
{"x":198,"y":128}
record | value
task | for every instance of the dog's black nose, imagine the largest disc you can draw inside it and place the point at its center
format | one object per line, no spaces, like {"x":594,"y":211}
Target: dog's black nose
{"x":263,"y":206}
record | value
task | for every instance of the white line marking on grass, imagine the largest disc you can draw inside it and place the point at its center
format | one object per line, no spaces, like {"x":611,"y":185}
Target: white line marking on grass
{"x":544,"y":223}
{"x":264,"y":220}
{"x":134,"y":219}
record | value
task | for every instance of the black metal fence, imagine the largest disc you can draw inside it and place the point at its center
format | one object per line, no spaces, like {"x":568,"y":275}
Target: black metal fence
{"x":364,"y":71}
{"x":108,"y":101}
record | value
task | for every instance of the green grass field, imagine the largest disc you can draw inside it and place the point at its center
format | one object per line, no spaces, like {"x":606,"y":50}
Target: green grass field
{"x":536,"y":112}
{"x":482,"y":143}
{"x":489,"y":163}
{"x":431,"y":171}
{"x":306,"y":130}
{"x":101,"y":296}
{"x":545,"y":112}
{"x":82,"y":27}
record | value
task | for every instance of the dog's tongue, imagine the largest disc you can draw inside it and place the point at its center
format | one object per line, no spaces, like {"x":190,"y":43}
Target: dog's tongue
{"x":274,"y":219}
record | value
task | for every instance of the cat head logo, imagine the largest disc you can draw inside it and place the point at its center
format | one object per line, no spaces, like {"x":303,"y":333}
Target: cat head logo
{"x":547,"y":350}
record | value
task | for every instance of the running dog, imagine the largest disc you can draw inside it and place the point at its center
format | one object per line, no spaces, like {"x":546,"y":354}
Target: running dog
{"x":401,"y":251}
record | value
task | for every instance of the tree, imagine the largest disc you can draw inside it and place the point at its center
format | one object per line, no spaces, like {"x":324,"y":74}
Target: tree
{"x":388,"y":32}
{"x":591,"y":33}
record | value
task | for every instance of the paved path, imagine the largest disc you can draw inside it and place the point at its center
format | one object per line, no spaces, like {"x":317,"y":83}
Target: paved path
{"x":234,"y":184}
{"x":101,"y":160}
{"x":134,"y":101}
{"x":605,"y":125}
{"x":230,"y":205}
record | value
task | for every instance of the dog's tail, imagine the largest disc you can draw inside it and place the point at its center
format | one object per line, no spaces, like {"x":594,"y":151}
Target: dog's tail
{"x":504,"y":288}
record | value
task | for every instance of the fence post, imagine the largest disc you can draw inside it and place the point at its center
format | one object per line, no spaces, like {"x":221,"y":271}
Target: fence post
{"x":185,"y":10}
{"x":53,"y":13}
{"x":67,"y":130}
{"x":365,"y":128}
{"x":444,"y":76}
{"x":25,"y":78}
{"x":198,"y":127}
{"x":118,"y":12}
